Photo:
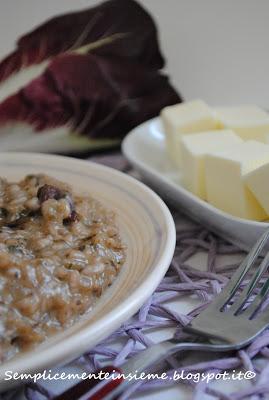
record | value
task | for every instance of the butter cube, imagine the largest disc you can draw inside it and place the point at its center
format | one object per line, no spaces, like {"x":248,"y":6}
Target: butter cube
{"x":257,"y":182}
{"x":225,"y":172}
{"x":183,"y":118}
{"x":194,"y":147}
{"x":250,"y":122}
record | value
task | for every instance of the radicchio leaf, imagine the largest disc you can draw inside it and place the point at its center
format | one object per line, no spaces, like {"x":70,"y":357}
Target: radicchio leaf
{"x":101,"y":75}
{"x":115,"y":27}
{"x":102,"y":97}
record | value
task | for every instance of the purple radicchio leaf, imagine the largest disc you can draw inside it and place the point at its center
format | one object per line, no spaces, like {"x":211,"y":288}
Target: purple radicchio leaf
{"x":100,"y":78}
{"x":100,"y":96}
{"x":117,"y":27}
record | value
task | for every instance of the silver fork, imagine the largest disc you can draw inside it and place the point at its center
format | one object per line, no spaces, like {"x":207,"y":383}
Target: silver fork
{"x":223,"y":328}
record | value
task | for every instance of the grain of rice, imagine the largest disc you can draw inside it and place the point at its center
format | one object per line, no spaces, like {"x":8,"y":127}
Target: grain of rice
{"x":52,"y":268}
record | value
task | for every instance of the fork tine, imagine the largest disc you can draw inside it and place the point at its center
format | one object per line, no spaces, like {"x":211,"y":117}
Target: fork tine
{"x":229,"y":291}
{"x":248,"y":290}
{"x":253,"y":308}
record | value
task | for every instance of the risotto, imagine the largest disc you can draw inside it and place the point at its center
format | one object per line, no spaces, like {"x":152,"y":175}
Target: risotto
{"x":58,"y":253}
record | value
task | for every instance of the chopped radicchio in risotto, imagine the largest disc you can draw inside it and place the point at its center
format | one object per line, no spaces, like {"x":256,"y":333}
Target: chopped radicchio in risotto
{"x":58,"y":253}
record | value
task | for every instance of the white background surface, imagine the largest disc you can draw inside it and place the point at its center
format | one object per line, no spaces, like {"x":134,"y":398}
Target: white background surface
{"x":216,"y":50}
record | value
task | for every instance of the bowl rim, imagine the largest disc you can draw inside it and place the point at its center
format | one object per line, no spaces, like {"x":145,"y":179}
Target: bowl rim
{"x":71,"y":346}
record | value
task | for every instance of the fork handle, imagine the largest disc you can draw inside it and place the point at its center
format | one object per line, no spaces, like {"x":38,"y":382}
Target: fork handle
{"x":94,"y":389}
{"x":159,"y":351}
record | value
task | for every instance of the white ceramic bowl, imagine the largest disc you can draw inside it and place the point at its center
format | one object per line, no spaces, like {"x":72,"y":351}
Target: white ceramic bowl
{"x":148,"y":230}
{"x":144,"y":147}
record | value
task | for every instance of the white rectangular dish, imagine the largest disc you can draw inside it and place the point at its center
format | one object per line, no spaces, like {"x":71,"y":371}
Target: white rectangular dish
{"x":144,"y":147}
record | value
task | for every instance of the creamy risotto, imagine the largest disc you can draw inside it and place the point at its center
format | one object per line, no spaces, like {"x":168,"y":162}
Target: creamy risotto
{"x":58,"y":253}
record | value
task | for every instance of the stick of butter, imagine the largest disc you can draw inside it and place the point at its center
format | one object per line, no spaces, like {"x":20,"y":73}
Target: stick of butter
{"x":183,"y":118}
{"x":193,"y":150}
{"x":225,"y":172}
{"x":258,"y":182}
{"x":250,"y":122}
